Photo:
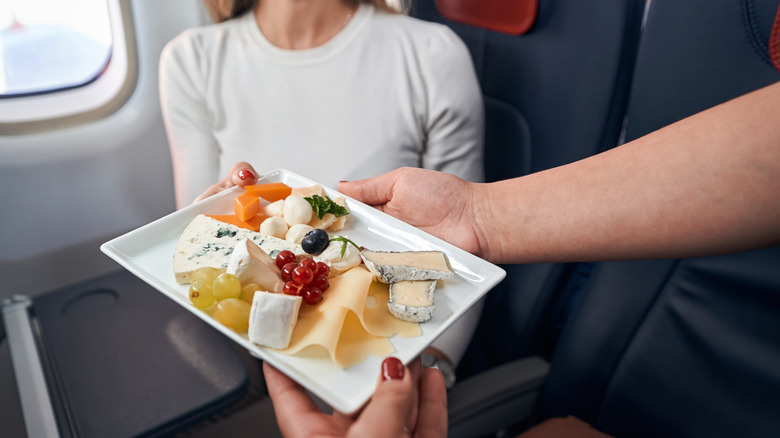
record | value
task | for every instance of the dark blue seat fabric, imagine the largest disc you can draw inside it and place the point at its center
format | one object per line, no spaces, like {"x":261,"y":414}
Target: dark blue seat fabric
{"x":695,"y":55}
{"x":552,"y":96}
{"x":689,"y":347}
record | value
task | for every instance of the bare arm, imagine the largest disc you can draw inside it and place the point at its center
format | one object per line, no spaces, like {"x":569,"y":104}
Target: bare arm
{"x":705,"y":185}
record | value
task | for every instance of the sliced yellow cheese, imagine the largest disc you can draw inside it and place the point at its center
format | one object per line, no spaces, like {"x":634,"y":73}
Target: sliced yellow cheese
{"x":347,"y":324}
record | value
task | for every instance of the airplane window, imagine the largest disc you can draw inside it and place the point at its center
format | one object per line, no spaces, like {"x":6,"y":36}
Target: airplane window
{"x":51,"y":45}
{"x":64,"y":63}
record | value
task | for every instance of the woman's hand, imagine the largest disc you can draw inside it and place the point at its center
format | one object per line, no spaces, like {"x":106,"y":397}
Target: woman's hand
{"x":435,"y":202}
{"x":401,"y":406}
{"x":241,"y":174}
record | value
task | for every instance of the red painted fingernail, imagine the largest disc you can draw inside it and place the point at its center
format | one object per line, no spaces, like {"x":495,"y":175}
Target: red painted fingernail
{"x":392,"y":369}
{"x":245,"y":173}
{"x":343,"y":181}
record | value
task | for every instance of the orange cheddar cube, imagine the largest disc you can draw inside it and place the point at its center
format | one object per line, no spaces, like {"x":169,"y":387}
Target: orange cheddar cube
{"x":271,"y":192}
{"x":247,"y":206}
{"x":251,"y":224}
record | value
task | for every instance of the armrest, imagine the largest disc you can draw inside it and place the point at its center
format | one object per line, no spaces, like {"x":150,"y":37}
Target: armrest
{"x":39,"y":417}
{"x":497,"y":398}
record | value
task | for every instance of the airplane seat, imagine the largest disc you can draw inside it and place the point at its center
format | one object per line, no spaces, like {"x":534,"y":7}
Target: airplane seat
{"x":696,"y":338}
{"x":554,"y":76}
{"x":664,"y":347}
{"x":674,"y":348}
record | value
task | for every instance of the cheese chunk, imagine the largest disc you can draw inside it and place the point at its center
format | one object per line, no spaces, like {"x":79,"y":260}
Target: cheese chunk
{"x":392,"y":267}
{"x":412,"y":300}
{"x":209,"y":242}
{"x":332,"y":257}
{"x":253,"y":265}
{"x":273,"y":318}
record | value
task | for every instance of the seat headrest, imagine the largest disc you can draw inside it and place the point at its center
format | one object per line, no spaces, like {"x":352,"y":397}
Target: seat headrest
{"x":514,"y":17}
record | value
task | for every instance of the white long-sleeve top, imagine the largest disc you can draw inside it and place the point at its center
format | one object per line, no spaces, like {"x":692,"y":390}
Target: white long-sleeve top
{"x":387,"y":91}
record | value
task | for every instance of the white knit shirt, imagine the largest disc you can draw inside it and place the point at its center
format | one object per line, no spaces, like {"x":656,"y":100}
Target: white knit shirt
{"x":387,"y":91}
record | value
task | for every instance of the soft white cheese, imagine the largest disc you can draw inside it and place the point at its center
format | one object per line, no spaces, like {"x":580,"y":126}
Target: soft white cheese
{"x":412,"y":300}
{"x":274,"y":226}
{"x":331,"y":256}
{"x":274,"y":209}
{"x":297,"y":210}
{"x":296,"y":233}
{"x":252,"y":265}
{"x":273,"y":318}
{"x":391,"y":267}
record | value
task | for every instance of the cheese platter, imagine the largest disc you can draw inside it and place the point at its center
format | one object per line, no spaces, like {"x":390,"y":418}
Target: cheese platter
{"x":345,"y":383}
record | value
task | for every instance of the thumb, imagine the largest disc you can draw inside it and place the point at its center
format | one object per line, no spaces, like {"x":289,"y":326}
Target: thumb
{"x":375,"y":191}
{"x":393,"y":400}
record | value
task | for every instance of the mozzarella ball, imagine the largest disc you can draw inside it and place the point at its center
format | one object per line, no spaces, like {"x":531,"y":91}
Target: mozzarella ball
{"x":297,"y":210}
{"x":274,"y":209}
{"x":332,"y":257}
{"x":274,"y":226}
{"x":296,"y":232}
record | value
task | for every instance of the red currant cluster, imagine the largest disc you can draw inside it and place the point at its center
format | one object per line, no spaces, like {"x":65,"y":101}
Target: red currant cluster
{"x":307,"y":278}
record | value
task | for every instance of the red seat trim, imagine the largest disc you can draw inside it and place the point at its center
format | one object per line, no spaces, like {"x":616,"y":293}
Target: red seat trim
{"x":774,"y":42}
{"x":513,"y":17}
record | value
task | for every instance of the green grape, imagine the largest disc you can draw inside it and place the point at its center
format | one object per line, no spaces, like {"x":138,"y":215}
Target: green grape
{"x":233,"y":313}
{"x":226,"y":286}
{"x":248,"y":292}
{"x":205,"y":274}
{"x":201,"y":295}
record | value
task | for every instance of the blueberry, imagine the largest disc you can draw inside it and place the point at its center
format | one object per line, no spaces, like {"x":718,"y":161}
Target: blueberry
{"x":315,"y":241}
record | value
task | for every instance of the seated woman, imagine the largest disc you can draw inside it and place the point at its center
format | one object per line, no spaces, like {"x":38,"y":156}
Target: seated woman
{"x":330,"y":89}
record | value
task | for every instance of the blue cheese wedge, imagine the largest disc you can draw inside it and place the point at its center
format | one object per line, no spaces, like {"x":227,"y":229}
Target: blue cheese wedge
{"x":273,"y":318}
{"x":412,"y":300}
{"x":209,"y":242}
{"x":392,"y":267}
{"x":250,"y":264}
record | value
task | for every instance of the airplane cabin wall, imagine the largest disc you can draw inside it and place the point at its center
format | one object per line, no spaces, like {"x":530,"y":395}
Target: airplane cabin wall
{"x":66,"y":191}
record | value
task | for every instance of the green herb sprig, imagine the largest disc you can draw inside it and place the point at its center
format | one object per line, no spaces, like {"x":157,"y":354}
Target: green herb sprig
{"x":344,"y":242}
{"x":322,"y":206}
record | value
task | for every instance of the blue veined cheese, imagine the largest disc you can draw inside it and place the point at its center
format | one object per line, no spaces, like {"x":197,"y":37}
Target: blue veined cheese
{"x":412,"y":300}
{"x":392,"y":266}
{"x":207,"y":242}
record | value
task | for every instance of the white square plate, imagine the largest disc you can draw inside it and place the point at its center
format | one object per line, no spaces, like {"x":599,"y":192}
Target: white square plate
{"x":148,"y":251}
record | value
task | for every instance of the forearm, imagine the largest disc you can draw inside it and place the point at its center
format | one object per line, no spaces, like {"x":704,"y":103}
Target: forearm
{"x":708,"y":184}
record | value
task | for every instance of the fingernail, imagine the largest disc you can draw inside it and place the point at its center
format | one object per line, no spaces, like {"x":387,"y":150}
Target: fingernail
{"x":245,"y":173}
{"x":343,"y":181}
{"x":392,"y":369}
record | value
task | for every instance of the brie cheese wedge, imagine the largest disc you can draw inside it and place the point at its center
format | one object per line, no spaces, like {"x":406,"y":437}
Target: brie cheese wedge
{"x":273,"y":318}
{"x":253,"y":265}
{"x":412,"y":300}
{"x":392,"y":267}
